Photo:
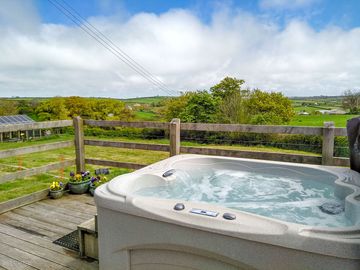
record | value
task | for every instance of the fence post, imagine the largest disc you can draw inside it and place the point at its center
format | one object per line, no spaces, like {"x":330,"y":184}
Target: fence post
{"x":175,"y":137}
{"x":79,"y":143}
{"x":328,"y":143}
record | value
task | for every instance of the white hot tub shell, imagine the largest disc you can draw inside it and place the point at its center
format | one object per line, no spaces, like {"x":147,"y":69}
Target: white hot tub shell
{"x":144,"y":233}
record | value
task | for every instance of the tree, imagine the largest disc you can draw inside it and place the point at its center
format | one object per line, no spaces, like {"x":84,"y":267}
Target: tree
{"x":269,"y":108}
{"x":110,"y":109}
{"x":26,"y":106}
{"x":174,"y":106}
{"x":52,"y":109}
{"x":8,"y":107}
{"x":233,"y":109}
{"x":228,"y":103}
{"x":351,"y":101}
{"x":78,"y":106}
{"x":227,"y":87}
{"x":199,"y":106}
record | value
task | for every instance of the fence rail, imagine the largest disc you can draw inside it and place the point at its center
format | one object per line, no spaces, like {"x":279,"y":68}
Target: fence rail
{"x":36,"y":125}
{"x":260,"y":129}
{"x":129,"y":145}
{"x":36,"y":148}
{"x":111,"y":163}
{"x":104,"y":123}
{"x":328,"y":132}
{"x":37,"y":170}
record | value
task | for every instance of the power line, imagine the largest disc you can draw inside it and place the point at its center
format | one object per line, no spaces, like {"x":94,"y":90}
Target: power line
{"x":105,"y":44}
{"x":109,"y":45}
{"x":124,"y":54}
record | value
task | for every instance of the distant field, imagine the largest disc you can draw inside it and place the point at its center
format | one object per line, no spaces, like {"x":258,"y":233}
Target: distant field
{"x":149,"y":110}
{"x":311,"y":109}
{"x":144,"y":100}
{"x":318,"y":120}
{"x":146,"y":116}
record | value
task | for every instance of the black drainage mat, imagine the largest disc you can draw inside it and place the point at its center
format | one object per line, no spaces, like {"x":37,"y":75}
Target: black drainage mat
{"x":70,"y":241}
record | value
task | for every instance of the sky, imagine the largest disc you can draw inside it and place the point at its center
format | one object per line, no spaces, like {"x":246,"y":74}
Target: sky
{"x":298,"y":47}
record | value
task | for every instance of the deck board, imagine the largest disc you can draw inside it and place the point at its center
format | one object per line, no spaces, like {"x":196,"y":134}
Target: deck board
{"x":26,"y":234}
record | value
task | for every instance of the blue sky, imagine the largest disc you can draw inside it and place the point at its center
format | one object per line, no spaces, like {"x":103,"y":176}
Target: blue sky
{"x":298,"y":47}
{"x":318,"y":13}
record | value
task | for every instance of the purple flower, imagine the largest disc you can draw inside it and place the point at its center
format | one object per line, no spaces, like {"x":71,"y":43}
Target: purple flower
{"x":93,"y":179}
{"x":72,"y":174}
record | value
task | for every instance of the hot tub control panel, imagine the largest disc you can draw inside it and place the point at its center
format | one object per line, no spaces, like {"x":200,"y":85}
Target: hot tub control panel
{"x":181,"y":206}
{"x":204,"y":212}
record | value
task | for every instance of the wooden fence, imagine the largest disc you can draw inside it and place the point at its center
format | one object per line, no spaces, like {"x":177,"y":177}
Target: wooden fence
{"x":42,"y":194}
{"x":35,"y":148}
{"x":328,"y":132}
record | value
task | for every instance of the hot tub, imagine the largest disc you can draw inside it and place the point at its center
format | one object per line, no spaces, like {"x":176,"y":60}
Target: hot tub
{"x":201,"y":212}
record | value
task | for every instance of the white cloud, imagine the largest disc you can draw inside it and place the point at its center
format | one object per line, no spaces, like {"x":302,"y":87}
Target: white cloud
{"x":183,"y":52}
{"x":286,"y":4}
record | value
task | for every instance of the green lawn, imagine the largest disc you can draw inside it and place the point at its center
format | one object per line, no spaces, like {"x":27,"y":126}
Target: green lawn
{"x":146,"y":116}
{"x":144,"y":100}
{"x":49,"y":139}
{"x":318,"y":120}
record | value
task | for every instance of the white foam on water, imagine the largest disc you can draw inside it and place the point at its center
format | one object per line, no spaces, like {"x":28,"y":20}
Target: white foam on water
{"x":293,"y":199}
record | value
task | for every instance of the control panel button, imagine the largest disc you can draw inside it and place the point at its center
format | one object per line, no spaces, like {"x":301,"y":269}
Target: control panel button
{"x":204,"y":212}
{"x":179,"y":207}
{"x":169,"y":173}
{"x":229,"y":216}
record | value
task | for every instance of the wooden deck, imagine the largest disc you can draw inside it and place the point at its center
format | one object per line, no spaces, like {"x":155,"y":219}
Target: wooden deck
{"x":26,"y":234}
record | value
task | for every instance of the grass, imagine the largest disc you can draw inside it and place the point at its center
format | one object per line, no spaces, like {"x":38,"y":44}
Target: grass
{"x":318,"y":120}
{"x":21,"y":187}
{"x":49,"y":139}
{"x":146,"y":116}
{"x":144,"y":100}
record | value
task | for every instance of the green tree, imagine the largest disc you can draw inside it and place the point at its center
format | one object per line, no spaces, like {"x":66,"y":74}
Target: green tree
{"x":174,"y":106}
{"x":199,"y":106}
{"x":227,"y":87}
{"x":269,"y":108}
{"x":8,"y":107}
{"x":110,"y":109}
{"x":233,"y":109}
{"x":52,"y":109}
{"x":28,"y":107}
{"x":228,"y":103}
{"x":351,"y":101}
{"x":79,"y":106}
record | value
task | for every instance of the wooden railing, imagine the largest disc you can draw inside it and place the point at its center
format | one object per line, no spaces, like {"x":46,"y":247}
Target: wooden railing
{"x":328,"y":132}
{"x":36,"y":148}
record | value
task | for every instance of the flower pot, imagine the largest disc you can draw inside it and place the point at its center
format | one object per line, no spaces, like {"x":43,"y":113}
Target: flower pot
{"x":56,"y":194}
{"x":79,"y":187}
{"x":92,"y":189}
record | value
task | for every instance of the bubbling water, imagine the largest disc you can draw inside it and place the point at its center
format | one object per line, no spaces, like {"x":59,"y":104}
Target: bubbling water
{"x":296,"y":199}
